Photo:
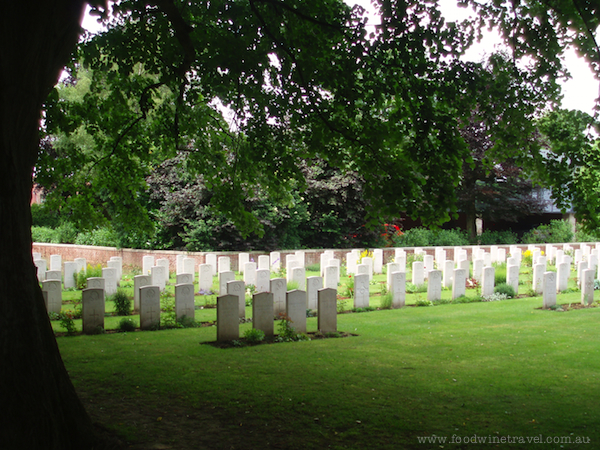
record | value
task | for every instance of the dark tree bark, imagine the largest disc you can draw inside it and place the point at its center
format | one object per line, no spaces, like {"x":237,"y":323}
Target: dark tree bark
{"x":38,"y":404}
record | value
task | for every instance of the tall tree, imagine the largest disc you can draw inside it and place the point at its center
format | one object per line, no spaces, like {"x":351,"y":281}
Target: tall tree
{"x":40,"y":407}
{"x":302,"y":78}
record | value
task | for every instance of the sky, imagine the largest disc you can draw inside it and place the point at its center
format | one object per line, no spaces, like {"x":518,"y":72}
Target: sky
{"x":580,"y":92}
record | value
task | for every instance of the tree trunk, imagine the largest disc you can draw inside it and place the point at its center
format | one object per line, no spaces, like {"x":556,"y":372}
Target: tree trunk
{"x":471,"y":219}
{"x":39,"y":406}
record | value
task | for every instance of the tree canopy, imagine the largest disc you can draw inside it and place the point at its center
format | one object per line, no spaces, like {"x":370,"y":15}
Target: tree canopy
{"x":299,"y":80}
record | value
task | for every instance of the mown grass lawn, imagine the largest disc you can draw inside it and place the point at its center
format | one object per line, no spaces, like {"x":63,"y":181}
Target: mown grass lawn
{"x":490,"y":370}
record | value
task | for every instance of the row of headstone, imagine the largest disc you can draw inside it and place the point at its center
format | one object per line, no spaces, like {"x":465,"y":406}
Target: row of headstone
{"x":148,"y":296}
{"x":264,"y":309}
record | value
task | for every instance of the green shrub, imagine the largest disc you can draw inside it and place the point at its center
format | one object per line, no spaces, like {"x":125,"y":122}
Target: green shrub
{"x":254,"y":335}
{"x":43,"y":234}
{"x":385,"y":301}
{"x":127,"y":324}
{"x":506,"y":237}
{"x":43,"y":216}
{"x":313,"y":267}
{"x":100,"y":237}
{"x":505,"y":289}
{"x":122,"y":303}
{"x":422,"y":237}
{"x":555,"y":232}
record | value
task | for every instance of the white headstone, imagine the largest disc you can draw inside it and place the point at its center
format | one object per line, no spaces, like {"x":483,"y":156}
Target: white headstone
{"x":488,"y":281}
{"x":70,"y":274}
{"x":205,"y":278}
{"x":164,"y":262}
{"x":119,"y":260}
{"x":149,"y":307}
{"x":139,"y":281}
{"x":96,"y":283}
{"x":179,"y":264}
{"x":147,"y":264}
{"x":211,"y":260}
{"x":158,"y":276}
{"x":264,"y":262}
{"x":501,"y":256}
{"x":331,"y":277}
{"x":250,"y":273}
{"x":562,"y":276}
{"x":243,"y":258}
{"x":587,"y":286}
{"x":391,"y":268}
{"x":299,"y":276}
{"x":184,"y":301}
{"x":428,"y":264}
{"x":189,"y":265}
{"x":54,"y":295}
{"x":92,"y":309}
{"x":369,"y":262}
{"x":418,"y":273}
{"x":538,"y":278}
{"x":327,"y":306}
{"x":300,"y":258}
{"x":478,"y":265}
{"x":110,"y":280}
{"x":361,"y":291}
{"x":263,"y":279}
{"x":224,"y":278}
{"x":278,"y":289}
{"x":313,"y":285}
{"x":238,"y":288}
{"x":581,"y":266}
{"x":228,"y":322}
{"x":263,"y":312}
{"x":459,"y":283}
{"x":549,"y":297}
{"x":54,"y":275}
{"x":117,"y":266}
{"x":275,"y":261}
{"x":378,"y":260}
{"x":351,"y":262}
{"x":41,"y":269}
{"x":448,"y":273}
{"x":224,"y":264}
{"x":295,"y":309}
{"x":512,"y":277}
{"x":81,"y":264}
{"x":55,"y":262}
{"x":184,"y":278}
{"x":434,"y":285}
{"x":398,"y":289}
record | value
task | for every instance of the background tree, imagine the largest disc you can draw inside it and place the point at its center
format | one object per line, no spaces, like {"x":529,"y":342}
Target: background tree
{"x":492,"y":189}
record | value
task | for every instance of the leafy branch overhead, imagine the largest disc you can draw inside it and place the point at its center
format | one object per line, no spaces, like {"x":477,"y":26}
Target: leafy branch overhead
{"x":249,"y":90}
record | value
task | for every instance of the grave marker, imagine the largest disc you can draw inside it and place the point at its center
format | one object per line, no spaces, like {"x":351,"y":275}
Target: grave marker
{"x":587,"y":286}
{"x":549,"y":296}
{"x":147,"y":264}
{"x":459,"y":283}
{"x":263,"y":278}
{"x":313,"y":285}
{"x":149,"y":307}
{"x":184,"y":301}
{"x":184,"y":278}
{"x":295,"y":309}
{"x":92,"y":310}
{"x":205,"y":278}
{"x":361,"y":291}
{"x":278,"y":289}
{"x":224,"y":278}
{"x":398,"y":289}
{"x":327,"y":306}
{"x":263,"y":312}
{"x":157,"y":275}
{"x":418,"y":273}
{"x":487,"y":281}
{"x":238,"y":288}
{"x":434,"y":286}
{"x":110,"y":280}
{"x":139,"y":281}
{"x":53,"y":298}
{"x":70,"y":274}
{"x":250,"y":273}
{"x":228,"y":322}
